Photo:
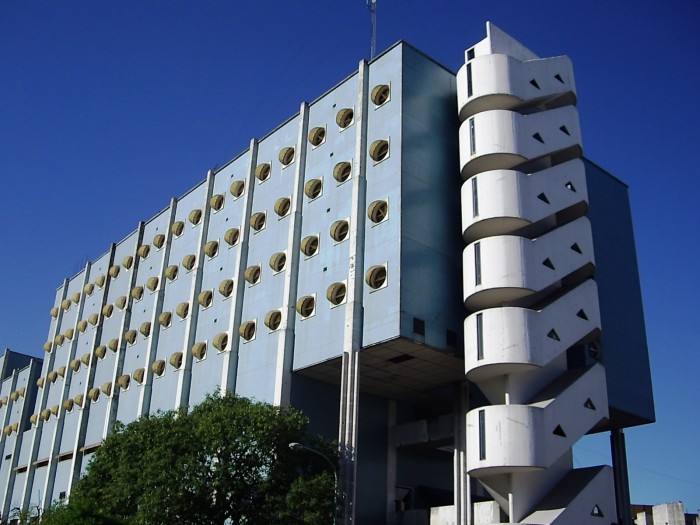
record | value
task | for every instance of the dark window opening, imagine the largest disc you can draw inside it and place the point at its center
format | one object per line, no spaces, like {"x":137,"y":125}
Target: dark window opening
{"x":418,"y":326}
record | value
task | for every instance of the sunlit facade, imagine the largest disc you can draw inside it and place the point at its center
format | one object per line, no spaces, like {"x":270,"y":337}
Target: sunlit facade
{"x":456,"y":334}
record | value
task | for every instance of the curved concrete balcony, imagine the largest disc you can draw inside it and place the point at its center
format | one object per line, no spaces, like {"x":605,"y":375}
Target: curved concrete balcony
{"x":501,"y":139}
{"x":503,"y":341}
{"x":521,"y":438}
{"x":503,"y":82}
{"x":503,"y":202}
{"x":498,"y":271}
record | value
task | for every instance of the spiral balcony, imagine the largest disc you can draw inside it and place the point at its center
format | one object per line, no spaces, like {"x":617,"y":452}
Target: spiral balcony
{"x":514,"y":340}
{"x":507,"y":202}
{"x":505,"y":270}
{"x":498,"y":81}
{"x":500,"y":139}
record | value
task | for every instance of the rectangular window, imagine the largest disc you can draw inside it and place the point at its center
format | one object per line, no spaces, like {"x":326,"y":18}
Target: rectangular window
{"x":475,"y":198}
{"x":482,"y":435}
{"x":477,"y":263}
{"x":470,"y":54}
{"x":472,"y":138}
{"x":479,"y":336}
{"x":470,"y":91}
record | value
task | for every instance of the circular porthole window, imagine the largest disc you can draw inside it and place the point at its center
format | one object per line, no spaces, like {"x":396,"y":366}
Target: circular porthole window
{"x":216,"y":202}
{"x":380,"y":94}
{"x":252,"y":274}
{"x":177,"y":228}
{"x":282,"y":206}
{"x":378,"y":211}
{"x":336,"y":293}
{"x":273,"y":319}
{"x":238,"y":187}
{"x":164,"y":319}
{"x":286,"y":156}
{"x":313,"y":188}
{"x":195,"y":216}
{"x":344,"y":117}
{"x":376,"y":276}
{"x":306,"y":306}
{"x":231,"y":236}
{"x":309,"y":245}
{"x":342,"y":171}
{"x":257,"y":221}
{"x":171,"y":272}
{"x":278,"y":261}
{"x":211,"y":248}
{"x":205,"y":298}
{"x":226,"y":287}
{"x":339,"y":230}
{"x":262,"y":172}
{"x":247,"y":330}
{"x":379,"y":150}
{"x":317,"y":136}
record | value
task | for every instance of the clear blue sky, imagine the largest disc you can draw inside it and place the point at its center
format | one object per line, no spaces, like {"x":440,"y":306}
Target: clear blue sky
{"x":109,"y":109}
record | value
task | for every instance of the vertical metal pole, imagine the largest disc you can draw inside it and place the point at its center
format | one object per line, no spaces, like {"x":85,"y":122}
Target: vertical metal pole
{"x":622,"y":486}
{"x":372,"y":6}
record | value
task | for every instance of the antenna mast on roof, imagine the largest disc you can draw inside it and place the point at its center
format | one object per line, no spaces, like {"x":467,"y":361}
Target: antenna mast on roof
{"x":372,"y":6}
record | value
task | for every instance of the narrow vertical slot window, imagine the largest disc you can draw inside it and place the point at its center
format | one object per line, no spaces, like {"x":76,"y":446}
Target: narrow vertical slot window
{"x":475,"y":198}
{"x":479,"y":336}
{"x":472,"y":137}
{"x":477,"y":264}
{"x":470,"y":90}
{"x":482,"y":435}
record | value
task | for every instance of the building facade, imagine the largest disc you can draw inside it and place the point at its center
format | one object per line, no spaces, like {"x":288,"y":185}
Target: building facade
{"x":326,"y":266}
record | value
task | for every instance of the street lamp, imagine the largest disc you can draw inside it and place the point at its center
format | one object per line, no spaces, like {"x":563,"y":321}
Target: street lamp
{"x":298,"y":447}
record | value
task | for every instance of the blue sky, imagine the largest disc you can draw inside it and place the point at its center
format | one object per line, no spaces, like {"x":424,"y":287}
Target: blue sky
{"x":109,"y":109}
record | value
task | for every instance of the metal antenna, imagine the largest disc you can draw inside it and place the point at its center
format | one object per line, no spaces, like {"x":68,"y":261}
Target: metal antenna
{"x":372,"y":6}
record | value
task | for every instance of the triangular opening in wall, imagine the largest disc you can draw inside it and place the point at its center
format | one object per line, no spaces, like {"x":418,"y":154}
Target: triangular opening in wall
{"x":570,"y":186}
{"x":543,"y":197}
{"x":534,"y":83}
{"x":597,"y":512}
{"x":538,"y":137}
{"x":559,"y":431}
{"x":582,"y":315}
{"x":589,"y":404}
{"x":548,"y":263}
{"x":558,"y":77}
{"x":564,"y":130}
{"x":553,"y":335}
{"x":575,"y":247}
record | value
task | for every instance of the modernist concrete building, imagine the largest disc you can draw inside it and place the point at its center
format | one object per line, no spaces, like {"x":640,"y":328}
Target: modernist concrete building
{"x":458,"y":345}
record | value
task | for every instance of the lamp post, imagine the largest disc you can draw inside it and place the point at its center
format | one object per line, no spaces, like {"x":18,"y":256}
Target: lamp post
{"x":298,"y":447}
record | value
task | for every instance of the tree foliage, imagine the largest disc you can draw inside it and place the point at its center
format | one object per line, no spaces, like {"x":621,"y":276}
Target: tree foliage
{"x":226,"y":461}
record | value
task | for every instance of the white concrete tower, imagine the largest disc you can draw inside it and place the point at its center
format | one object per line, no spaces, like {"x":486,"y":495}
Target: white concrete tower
{"x":528,"y":286}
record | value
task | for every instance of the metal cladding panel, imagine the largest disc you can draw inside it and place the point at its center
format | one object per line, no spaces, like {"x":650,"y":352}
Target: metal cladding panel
{"x":96,"y":422}
{"x":320,"y":337}
{"x":60,"y":484}
{"x":173,"y":339}
{"x":382,"y":242}
{"x":623,"y":342}
{"x":20,"y":478}
{"x":25,"y":448}
{"x":70,"y":428}
{"x":5,"y":468}
{"x":217,"y":318}
{"x":47,"y":433}
{"x":257,"y":364}
{"x":430,"y":239}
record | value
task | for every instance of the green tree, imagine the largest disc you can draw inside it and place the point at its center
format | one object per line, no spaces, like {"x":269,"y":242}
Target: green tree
{"x":226,"y":461}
